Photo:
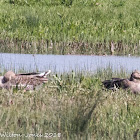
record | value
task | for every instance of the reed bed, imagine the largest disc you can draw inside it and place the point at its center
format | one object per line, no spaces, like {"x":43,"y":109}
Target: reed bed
{"x":62,"y":48}
{"x":70,"y":26}
{"x":75,"y":105}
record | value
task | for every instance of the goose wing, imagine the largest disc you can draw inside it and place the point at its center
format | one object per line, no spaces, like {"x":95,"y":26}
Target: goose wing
{"x":35,"y":74}
{"x":115,"y":82}
{"x":28,"y":80}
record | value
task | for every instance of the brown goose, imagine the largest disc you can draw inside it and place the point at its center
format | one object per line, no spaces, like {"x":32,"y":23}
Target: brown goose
{"x":28,"y":81}
{"x":133,"y":83}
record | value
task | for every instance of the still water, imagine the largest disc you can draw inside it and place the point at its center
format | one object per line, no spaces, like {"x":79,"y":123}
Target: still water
{"x":66,"y":63}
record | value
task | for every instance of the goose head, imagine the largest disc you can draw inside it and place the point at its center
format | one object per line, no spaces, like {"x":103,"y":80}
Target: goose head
{"x":135,"y":76}
{"x":8,"y":76}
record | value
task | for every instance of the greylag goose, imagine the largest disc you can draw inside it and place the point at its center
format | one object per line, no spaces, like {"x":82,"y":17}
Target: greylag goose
{"x":28,"y":81}
{"x":133,"y":83}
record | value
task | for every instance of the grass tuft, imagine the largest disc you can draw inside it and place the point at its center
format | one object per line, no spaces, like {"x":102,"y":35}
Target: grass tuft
{"x":77,"y":106}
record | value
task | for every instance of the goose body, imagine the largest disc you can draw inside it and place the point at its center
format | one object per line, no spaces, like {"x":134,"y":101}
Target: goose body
{"x":133,"y":83}
{"x":29,"y":81}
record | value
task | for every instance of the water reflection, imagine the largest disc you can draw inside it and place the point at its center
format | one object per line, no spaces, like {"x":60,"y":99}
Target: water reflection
{"x":66,"y":63}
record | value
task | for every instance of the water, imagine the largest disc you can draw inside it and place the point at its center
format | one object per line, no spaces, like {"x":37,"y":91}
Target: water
{"x":66,"y":63}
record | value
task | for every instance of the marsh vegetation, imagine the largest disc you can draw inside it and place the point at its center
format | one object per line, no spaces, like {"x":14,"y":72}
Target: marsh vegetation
{"x":75,"y":105}
{"x":70,"y":27}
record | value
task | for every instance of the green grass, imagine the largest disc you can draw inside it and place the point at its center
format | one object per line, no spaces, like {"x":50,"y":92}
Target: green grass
{"x":75,"y":105}
{"x":70,"y":27}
